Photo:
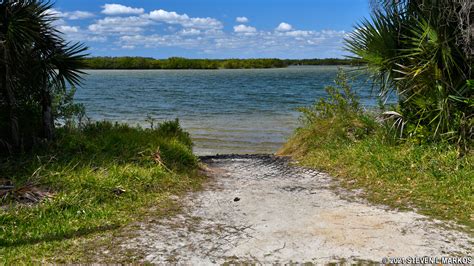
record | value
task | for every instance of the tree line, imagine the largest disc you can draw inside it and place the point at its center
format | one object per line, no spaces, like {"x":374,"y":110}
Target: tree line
{"x":185,"y":63}
{"x":324,"y":62}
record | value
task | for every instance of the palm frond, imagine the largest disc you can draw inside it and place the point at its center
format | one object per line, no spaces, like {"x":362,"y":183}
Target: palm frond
{"x":411,"y":47}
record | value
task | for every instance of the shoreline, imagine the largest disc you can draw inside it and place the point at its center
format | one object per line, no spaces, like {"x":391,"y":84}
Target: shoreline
{"x":185,"y":63}
{"x":215,"y":69}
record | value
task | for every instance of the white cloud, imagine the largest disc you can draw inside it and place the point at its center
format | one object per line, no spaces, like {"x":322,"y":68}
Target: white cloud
{"x":190,"y":32}
{"x":296,"y":43}
{"x":119,"y":25}
{"x":244,"y":29}
{"x":334,"y":33}
{"x":204,"y":23}
{"x":204,"y":35}
{"x":156,"y":40}
{"x":75,"y":33}
{"x":68,"y":29}
{"x":53,"y":12}
{"x":298,"y":33}
{"x":75,"y":15}
{"x":184,"y":20}
{"x":117,"y":9}
{"x":168,"y":17}
{"x":94,"y":38}
{"x":242,"y":19}
{"x":284,"y":27}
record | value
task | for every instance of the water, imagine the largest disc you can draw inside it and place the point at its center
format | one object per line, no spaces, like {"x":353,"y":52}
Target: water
{"x":226,"y":111}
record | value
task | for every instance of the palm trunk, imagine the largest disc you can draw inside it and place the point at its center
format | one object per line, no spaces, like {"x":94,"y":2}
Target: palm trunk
{"x":48,"y":123}
{"x":470,"y":39}
{"x":11,"y":102}
{"x":6,"y":84}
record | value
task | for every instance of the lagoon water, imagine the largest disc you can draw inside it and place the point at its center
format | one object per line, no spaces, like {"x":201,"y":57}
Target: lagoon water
{"x":226,"y":111}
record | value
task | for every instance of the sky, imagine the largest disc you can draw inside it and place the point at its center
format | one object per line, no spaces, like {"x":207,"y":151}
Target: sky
{"x":211,"y":28}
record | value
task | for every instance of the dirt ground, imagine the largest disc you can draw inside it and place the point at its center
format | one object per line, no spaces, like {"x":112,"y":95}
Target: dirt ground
{"x":262,"y":209}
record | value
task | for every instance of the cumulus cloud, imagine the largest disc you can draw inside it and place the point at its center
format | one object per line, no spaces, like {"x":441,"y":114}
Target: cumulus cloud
{"x":295,"y":43}
{"x":190,"y":32}
{"x":284,"y":27}
{"x":77,"y":34}
{"x":184,"y":20}
{"x":119,"y":25}
{"x":204,"y":35}
{"x":242,"y":19}
{"x":298,"y":33}
{"x":117,"y":9}
{"x":244,"y":29}
{"x":68,"y":29}
{"x":156,"y":40}
{"x":75,"y":15}
{"x":168,"y":17}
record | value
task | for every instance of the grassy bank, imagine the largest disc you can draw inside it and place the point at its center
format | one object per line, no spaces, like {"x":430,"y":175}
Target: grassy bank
{"x":338,"y":137}
{"x":90,"y":181}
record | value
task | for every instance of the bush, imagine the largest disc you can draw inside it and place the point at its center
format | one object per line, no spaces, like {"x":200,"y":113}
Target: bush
{"x":338,"y":115}
{"x":123,"y":143}
{"x":362,"y":151}
{"x":101,"y":176}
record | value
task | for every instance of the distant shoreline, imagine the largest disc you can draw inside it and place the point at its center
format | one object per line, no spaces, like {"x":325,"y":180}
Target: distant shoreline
{"x":250,"y":68}
{"x":176,"y":63}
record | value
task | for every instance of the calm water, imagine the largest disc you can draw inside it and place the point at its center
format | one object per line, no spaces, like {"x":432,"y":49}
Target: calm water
{"x":226,"y":111}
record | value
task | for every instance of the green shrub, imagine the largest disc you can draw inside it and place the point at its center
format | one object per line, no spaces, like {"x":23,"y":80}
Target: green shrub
{"x":339,"y":115}
{"x":362,"y":151}
{"x":101,"y":176}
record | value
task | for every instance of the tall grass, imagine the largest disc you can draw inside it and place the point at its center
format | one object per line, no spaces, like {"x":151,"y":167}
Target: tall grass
{"x":100,"y":177}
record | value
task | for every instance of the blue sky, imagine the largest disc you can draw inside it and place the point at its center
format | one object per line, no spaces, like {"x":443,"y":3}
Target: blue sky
{"x":211,"y":28}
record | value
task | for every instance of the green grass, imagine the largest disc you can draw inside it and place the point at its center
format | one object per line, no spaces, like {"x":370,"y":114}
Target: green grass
{"x":338,"y":137}
{"x":83,"y":170}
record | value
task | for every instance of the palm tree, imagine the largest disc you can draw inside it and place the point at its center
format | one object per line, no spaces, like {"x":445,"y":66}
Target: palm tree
{"x":35,"y":60}
{"x":418,"y":49}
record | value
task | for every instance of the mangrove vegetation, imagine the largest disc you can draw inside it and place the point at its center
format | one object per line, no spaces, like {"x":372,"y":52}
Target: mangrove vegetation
{"x":185,"y":63}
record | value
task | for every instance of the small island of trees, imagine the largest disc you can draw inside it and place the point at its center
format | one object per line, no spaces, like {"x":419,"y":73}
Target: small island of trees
{"x":185,"y":63}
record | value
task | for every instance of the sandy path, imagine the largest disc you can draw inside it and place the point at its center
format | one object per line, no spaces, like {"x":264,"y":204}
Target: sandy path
{"x":287,"y":214}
